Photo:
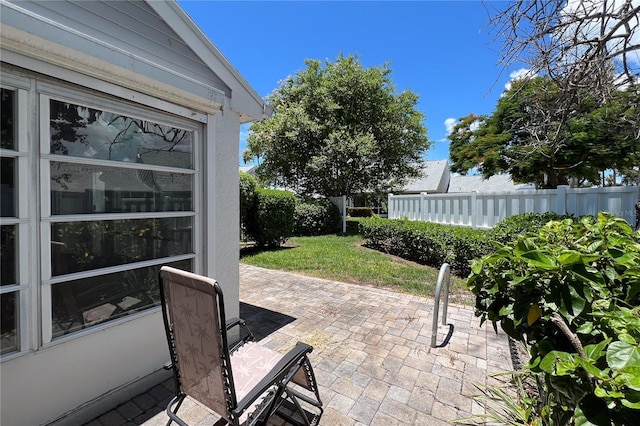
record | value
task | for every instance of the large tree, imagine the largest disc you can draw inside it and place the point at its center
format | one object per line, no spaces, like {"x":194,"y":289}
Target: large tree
{"x":339,"y":129}
{"x":588,"y":52}
{"x":535,"y":137}
{"x":580,"y":44}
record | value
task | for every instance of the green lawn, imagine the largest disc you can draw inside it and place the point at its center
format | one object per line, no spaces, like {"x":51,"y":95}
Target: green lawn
{"x":342,"y":258}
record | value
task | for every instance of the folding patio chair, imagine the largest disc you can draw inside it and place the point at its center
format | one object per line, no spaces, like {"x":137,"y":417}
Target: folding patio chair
{"x":246,"y":384}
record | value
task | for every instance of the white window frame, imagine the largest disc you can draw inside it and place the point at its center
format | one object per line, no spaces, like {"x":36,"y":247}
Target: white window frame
{"x":46,"y":92}
{"x":25,"y":219}
{"x":33,"y":208}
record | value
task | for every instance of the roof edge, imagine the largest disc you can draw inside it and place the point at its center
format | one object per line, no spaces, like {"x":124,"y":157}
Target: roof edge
{"x":248,"y":103}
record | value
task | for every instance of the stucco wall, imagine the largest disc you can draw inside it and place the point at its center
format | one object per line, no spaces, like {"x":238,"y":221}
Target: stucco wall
{"x":222,"y":205}
{"x":39,"y":387}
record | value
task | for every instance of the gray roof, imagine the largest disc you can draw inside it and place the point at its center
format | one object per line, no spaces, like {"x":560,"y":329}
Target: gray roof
{"x":496,"y":183}
{"x":434,"y":179}
{"x":248,"y":169}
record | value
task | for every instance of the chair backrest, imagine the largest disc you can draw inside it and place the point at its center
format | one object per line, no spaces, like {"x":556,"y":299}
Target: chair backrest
{"x":193,"y":310}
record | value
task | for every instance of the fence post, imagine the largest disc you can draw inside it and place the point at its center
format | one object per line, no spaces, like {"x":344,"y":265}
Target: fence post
{"x":390,"y":207}
{"x":423,"y":207}
{"x":473,"y":209}
{"x":561,"y":199}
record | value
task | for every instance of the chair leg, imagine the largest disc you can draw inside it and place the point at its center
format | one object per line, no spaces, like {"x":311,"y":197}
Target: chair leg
{"x":180,"y":399}
{"x":299,"y":407}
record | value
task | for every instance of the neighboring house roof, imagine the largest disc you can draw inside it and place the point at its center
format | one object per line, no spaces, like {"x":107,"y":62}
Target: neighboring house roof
{"x":434,"y":179}
{"x":248,"y":169}
{"x":476,"y":183}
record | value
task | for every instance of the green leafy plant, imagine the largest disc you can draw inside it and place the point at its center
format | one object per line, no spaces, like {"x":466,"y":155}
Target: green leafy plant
{"x":427,"y":243}
{"x":316,"y":216}
{"x":571,"y":294}
{"x":270,"y":220}
{"x":359,"y":211}
{"x":248,"y":185}
{"x":511,"y":403}
{"x":511,"y":227}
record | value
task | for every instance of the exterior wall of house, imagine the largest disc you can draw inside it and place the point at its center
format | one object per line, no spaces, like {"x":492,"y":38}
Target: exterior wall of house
{"x":51,"y":365}
{"x":223,"y":226}
{"x":114,"y":32}
{"x":43,"y":385}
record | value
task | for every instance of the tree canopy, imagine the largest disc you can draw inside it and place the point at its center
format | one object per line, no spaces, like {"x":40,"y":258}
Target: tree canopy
{"x":536,"y":137}
{"x":585,"y":104}
{"x":593,"y":45}
{"x":339,"y":129}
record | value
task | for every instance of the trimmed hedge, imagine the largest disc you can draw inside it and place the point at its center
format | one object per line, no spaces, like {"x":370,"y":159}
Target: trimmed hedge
{"x":270,"y":220}
{"x":427,"y":243}
{"x":510,"y":228}
{"x":434,"y":244}
{"x":316,"y":216}
{"x":248,"y":185}
{"x":359,"y":211}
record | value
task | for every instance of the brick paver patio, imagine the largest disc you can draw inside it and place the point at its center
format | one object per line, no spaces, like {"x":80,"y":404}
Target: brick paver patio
{"x":372,"y":354}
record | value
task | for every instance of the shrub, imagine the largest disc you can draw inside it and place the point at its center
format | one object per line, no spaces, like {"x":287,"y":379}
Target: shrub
{"x":427,"y":243}
{"x":353,"y":225}
{"x":359,"y":211}
{"x":270,"y":220}
{"x":508,"y":229}
{"x":571,"y":293}
{"x":316,"y":216}
{"x":248,"y":185}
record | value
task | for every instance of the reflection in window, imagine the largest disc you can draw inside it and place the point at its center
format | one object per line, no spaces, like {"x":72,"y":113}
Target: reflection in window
{"x":84,"y":132}
{"x":8,"y":323}
{"x":7,"y":254}
{"x":7,"y":187}
{"x":85,"y":189}
{"x":81,"y":303}
{"x":83,"y":246}
{"x":7,"y":119}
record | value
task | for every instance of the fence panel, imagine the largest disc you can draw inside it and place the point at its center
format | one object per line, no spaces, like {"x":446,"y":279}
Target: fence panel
{"x":484,"y":210}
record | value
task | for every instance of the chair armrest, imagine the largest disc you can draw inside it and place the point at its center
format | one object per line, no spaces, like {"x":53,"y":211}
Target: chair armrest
{"x":232,"y":322}
{"x":242,"y":338}
{"x":295,"y":356}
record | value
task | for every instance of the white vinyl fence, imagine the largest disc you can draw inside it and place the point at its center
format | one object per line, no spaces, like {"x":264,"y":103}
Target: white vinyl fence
{"x":484,"y":210}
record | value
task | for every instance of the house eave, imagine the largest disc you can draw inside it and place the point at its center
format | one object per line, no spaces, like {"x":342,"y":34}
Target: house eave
{"x":245,"y":100}
{"x":19,"y":46}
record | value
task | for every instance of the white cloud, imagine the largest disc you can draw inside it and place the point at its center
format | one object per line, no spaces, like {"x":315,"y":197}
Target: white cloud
{"x":590,"y":29}
{"x":517,"y":75}
{"x":449,"y":123}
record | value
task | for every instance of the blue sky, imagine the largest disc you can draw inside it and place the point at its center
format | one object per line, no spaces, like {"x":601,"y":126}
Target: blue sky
{"x":442,"y":50}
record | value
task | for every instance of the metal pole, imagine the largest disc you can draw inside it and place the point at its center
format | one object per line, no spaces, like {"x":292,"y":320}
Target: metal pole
{"x":445,"y":274}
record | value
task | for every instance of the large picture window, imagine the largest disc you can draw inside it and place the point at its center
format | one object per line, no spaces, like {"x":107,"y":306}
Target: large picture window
{"x":82,"y":303}
{"x":96,"y":194}
{"x":121,"y":203}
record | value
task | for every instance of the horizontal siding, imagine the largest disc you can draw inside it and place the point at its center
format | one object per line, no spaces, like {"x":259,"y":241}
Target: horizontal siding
{"x":131,"y":26}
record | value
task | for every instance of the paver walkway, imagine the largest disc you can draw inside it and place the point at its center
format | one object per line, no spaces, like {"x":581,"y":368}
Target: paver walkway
{"x":372,"y":356}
